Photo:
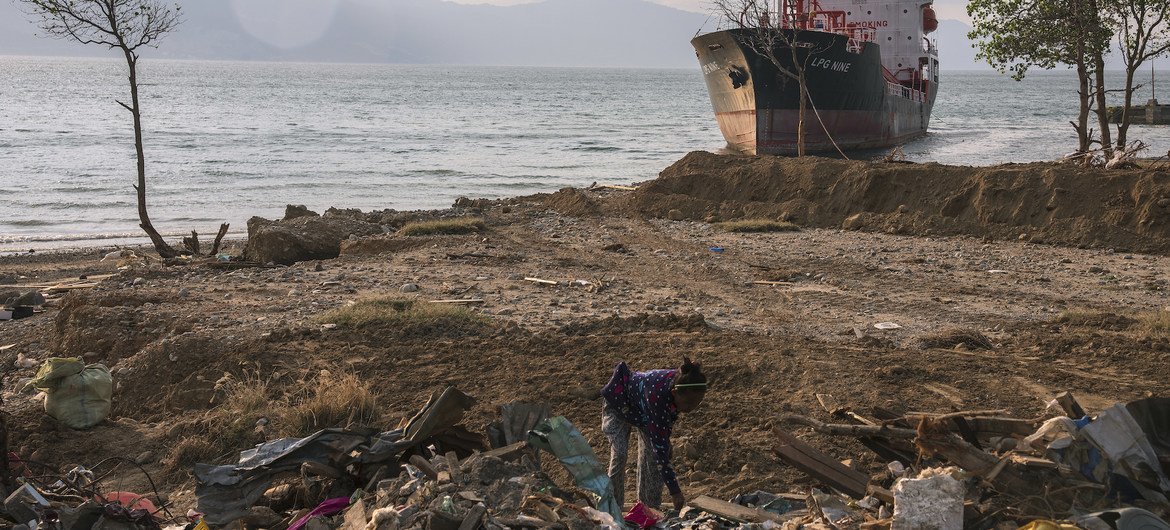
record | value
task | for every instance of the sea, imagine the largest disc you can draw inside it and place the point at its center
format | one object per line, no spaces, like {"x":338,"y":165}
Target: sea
{"x":229,"y":140}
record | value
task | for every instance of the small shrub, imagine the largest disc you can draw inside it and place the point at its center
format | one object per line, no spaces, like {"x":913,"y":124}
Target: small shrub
{"x":341,"y":400}
{"x":757,"y":225}
{"x":399,"y":313}
{"x":460,"y":225}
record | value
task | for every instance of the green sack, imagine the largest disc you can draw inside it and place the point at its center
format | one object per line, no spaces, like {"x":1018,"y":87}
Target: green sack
{"x":54,"y":370}
{"x":77,"y":395}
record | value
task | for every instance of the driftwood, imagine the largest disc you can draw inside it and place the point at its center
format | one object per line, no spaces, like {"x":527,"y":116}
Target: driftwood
{"x":192,"y":243}
{"x":852,"y":430}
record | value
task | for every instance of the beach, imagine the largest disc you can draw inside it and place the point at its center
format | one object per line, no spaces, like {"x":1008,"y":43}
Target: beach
{"x":558,"y":288}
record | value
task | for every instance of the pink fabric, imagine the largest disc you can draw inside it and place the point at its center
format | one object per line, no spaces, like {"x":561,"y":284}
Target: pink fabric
{"x":328,"y":507}
{"x":643,"y":516}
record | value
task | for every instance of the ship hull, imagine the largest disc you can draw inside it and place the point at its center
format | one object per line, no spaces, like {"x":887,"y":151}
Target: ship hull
{"x":851,"y":101}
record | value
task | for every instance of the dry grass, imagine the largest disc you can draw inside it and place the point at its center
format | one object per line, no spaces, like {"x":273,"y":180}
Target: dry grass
{"x":459,"y":225}
{"x":334,"y":400}
{"x":1154,"y":324}
{"x":400,"y":313}
{"x":953,"y":337}
{"x":757,"y":225}
{"x":326,"y":400}
{"x":226,"y":429}
{"x":1089,"y":318}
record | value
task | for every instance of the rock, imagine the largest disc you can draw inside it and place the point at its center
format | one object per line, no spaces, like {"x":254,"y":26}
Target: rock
{"x":261,"y":517}
{"x":934,"y":500}
{"x":294,"y":211}
{"x":303,"y":238}
{"x":856,"y":221}
{"x":1162,"y":203}
{"x":675,"y":215}
{"x":147,"y":457}
{"x":31,"y":298}
{"x":138,"y":281}
{"x":409,"y":288}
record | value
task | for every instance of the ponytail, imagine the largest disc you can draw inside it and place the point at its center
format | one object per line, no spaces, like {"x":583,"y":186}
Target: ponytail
{"x":690,"y":377}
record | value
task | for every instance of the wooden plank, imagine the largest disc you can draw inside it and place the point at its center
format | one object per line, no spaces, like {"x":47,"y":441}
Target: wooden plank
{"x":732,"y":512}
{"x":474,"y":517}
{"x":1070,"y":406}
{"x":423,"y":465}
{"x":509,"y":452}
{"x":540,"y":281}
{"x":453,"y":466}
{"x":819,"y":465}
{"x":459,"y":301}
{"x":771,"y":283}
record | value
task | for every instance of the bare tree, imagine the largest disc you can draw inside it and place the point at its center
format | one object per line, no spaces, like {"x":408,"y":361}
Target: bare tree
{"x":1143,"y":33}
{"x":125,"y":26}
{"x":770,"y":34}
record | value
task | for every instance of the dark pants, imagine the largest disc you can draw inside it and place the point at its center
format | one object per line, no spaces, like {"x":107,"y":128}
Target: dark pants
{"x":649,"y":475}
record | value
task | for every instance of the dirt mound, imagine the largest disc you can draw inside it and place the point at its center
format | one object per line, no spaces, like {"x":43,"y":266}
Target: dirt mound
{"x":643,"y":322}
{"x":572,"y":202}
{"x":1039,"y":202}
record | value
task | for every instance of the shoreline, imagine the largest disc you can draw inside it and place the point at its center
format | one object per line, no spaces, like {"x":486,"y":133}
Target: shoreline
{"x":777,"y":318}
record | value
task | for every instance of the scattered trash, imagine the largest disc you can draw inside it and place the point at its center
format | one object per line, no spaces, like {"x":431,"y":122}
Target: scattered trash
{"x":717,"y":250}
{"x":887,"y":325}
{"x":77,"y":395}
{"x":643,"y":516}
{"x":1070,"y":463}
{"x":540,"y":281}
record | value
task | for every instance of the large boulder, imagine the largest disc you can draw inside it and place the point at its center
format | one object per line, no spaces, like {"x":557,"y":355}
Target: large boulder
{"x":303,"y":238}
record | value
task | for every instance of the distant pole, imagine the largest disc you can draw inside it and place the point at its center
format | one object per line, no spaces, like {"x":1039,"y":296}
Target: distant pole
{"x":1153,"y":95}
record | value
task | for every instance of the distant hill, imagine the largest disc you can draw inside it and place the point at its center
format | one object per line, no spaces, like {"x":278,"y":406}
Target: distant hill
{"x":618,"y":33}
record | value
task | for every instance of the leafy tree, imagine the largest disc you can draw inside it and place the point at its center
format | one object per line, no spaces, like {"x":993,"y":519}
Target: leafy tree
{"x":1014,"y":36}
{"x":125,"y":26}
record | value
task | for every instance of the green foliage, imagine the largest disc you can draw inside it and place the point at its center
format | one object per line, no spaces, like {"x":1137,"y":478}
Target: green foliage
{"x":1016,"y":35}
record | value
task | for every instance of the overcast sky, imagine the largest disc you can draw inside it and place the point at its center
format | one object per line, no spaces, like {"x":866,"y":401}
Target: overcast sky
{"x":947,"y":9}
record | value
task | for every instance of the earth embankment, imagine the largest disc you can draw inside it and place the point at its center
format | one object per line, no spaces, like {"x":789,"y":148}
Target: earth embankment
{"x":1039,"y":202}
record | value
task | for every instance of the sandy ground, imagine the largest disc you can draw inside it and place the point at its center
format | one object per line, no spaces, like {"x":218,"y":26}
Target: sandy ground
{"x":1087,"y":321}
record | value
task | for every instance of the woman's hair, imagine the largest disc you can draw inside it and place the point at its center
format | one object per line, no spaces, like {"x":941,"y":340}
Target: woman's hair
{"x":690,"y":377}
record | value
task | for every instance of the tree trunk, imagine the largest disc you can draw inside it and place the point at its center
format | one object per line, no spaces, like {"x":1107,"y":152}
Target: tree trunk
{"x":1123,"y":126}
{"x":803,"y":106}
{"x":160,"y":245}
{"x":1082,"y":125}
{"x":1102,"y":112}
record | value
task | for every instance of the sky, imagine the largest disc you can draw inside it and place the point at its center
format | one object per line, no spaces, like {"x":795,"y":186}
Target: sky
{"x":947,"y":9}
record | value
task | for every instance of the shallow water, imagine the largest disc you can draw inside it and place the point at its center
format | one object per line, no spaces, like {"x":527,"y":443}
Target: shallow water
{"x":228,"y":140}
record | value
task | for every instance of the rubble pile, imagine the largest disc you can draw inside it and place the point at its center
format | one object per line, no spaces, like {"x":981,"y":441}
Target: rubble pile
{"x":969,"y":469}
{"x":984,"y":470}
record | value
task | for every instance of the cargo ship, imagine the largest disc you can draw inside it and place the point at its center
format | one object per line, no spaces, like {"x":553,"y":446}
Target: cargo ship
{"x":871,"y":70}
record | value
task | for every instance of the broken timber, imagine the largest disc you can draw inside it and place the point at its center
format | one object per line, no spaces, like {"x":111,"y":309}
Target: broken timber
{"x":819,"y":465}
{"x":732,"y":512}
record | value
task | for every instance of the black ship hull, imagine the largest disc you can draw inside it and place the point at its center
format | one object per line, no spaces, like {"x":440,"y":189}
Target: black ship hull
{"x":853,"y":100}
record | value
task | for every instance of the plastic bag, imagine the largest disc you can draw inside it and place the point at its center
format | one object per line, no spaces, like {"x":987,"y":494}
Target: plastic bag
{"x":77,"y":395}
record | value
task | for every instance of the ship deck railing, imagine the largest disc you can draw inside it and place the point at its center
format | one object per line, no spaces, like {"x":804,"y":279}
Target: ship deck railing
{"x":904,"y":91}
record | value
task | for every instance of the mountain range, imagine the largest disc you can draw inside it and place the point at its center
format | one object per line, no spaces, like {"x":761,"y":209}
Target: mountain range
{"x":599,"y":33}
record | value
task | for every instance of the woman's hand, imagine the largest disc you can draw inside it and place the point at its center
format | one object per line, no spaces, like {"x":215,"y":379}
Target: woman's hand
{"x":679,"y":501}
